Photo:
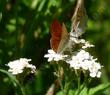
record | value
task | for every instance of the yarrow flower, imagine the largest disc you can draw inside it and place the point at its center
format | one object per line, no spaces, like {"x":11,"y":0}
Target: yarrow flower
{"x":53,"y":56}
{"x":86,"y":44}
{"x":18,"y":66}
{"x":83,"y":60}
{"x":77,"y":41}
{"x":80,"y":60}
{"x":94,"y":69}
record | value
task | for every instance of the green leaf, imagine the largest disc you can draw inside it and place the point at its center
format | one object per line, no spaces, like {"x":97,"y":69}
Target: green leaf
{"x":71,"y":92}
{"x":84,"y":91}
{"x":99,"y":88}
{"x":60,"y":93}
{"x":14,"y":81}
{"x":41,"y":5}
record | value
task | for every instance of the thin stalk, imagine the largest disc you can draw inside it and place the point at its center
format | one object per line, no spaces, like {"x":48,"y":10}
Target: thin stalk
{"x":85,"y":81}
{"x":78,"y":86}
{"x":60,"y":79}
{"x":78,"y":76}
{"x":68,"y":81}
{"x":22,"y":89}
{"x":66,"y":88}
{"x":57,"y":70}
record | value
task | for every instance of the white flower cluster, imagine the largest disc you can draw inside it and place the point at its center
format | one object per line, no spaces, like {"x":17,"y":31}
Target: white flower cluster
{"x":86,"y":44}
{"x":17,"y":66}
{"x":53,"y":56}
{"x":83,"y":60}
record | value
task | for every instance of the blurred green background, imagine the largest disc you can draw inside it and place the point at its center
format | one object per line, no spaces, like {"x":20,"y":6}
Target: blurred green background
{"x":24,"y":32}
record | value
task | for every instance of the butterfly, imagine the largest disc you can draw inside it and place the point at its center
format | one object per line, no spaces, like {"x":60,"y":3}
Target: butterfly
{"x":60,"y":38}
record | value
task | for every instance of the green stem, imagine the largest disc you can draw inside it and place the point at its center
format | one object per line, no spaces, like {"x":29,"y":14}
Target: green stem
{"x":85,"y":81}
{"x":66,"y":88}
{"x":60,"y":79}
{"x":67,"y":82}
{"x":78,"y":86}
{"x":22,"y":89}
{"x":78,"y":76}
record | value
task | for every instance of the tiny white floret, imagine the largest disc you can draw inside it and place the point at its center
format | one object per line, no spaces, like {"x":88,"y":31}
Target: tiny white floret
{"x":53,"y":56}
{"x":17,"y":66}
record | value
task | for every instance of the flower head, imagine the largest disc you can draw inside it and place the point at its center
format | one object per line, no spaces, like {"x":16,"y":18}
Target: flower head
{"x":54,"y":56}
{"x":87,"y":45}
{"x":94,"y":69}
{"x":83,"y":60}
{"x":17,"y":66}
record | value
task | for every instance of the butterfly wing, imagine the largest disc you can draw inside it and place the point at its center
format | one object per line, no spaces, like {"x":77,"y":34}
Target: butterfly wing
{"x":79,"y":19}
{"x":56,"y":31}
{"x":64,"y":39}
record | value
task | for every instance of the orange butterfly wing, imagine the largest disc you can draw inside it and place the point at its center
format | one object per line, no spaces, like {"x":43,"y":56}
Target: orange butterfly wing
{"x":56,"y":31}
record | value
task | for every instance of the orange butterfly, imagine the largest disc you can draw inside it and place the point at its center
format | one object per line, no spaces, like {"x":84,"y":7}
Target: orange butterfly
{"x":60,"y":38}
